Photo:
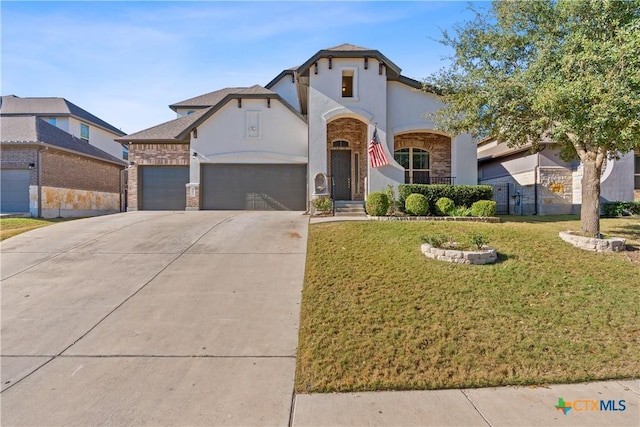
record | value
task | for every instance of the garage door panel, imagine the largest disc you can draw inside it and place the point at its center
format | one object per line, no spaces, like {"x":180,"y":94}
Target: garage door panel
{"x":14,"y":191}
{"x":164,"y":187}
{"x":254,"y":187}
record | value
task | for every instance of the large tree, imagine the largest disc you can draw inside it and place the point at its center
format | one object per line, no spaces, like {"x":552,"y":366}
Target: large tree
{"x":566,"y":71}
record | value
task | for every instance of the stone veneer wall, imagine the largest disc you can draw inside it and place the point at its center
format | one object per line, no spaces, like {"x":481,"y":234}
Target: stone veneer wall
{"x":158,"y":154}
{"x":69,"y":202}
{"x":355,"y":132}
{"x":593,"y":244}
{"x":438,"y":146}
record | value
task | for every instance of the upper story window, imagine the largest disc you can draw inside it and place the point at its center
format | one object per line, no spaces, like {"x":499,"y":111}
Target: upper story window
{"x":125,"y":152}
{"x":84,"y":131}
{"x":348,"y":83}
{"x":52,"y":121}
{"x":415,"y":162}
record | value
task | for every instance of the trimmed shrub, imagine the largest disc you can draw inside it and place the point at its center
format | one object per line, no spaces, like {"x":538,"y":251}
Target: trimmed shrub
{"x":377,"y":204}
{"x":483,"y":208}
{"x":462,"y":195}
{"x":322,"y":204}
{"x":613,"y":209}
{"x":416,"y":204}
{"x":445,"y":206}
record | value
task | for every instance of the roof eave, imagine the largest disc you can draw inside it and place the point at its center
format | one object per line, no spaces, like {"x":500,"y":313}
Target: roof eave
{"x":395,"y":70}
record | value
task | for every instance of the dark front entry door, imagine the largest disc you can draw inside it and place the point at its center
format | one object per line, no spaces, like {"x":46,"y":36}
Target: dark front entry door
{"x":341,"y":172}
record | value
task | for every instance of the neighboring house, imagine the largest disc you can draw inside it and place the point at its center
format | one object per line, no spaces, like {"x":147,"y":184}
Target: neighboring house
{"x":51,"y":173}
{"x":68,"y":117}
{"x":266,"y":147}
{"x":541,"y":183}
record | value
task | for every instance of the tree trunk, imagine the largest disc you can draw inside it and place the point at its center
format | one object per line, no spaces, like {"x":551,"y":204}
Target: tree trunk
{"x":590,"y":210}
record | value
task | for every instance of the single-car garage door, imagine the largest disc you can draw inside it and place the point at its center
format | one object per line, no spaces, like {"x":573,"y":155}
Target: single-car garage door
{"x":14,"y":191}
{"x":163,"y":187}
{"x":254,"y":187}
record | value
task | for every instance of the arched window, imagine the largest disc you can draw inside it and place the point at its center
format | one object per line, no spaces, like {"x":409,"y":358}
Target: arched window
{"x":415,"y":162}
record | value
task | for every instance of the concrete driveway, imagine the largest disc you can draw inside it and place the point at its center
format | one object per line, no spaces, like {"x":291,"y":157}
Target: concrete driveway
{"x":153,"y":318}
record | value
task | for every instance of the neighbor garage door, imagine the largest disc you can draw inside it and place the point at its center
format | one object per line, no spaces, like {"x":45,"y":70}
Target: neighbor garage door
{"x":163,"y":187}
{"x":14,"y":191}
{"x":254,"y":187}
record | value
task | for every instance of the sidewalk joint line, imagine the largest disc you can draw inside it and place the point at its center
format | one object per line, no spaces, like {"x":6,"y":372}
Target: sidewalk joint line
{"x":475,"y":407}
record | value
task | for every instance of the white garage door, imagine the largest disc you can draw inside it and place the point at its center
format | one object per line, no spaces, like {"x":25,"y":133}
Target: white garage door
{"x":14,"y":193}
{"x":254,"y":187}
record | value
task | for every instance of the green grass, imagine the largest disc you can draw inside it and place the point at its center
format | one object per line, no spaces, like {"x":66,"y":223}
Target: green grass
{"x":379,"y":315}
{"x":10,"y":227}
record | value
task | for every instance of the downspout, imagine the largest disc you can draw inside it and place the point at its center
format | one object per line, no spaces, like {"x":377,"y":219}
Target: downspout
{"x":536,"y":179}
{"x":39,"y":174}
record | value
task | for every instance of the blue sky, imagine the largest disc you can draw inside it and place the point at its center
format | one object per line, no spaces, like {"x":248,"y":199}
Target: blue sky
{"x":127,"y":61}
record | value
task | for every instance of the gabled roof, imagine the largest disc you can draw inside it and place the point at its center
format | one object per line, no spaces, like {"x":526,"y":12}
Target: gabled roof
{"x":12,"y":105}
{"x":169,"y":131}
{"x":30,"y":130}
{"x":178,"y":129}
{"x":347,"y":50}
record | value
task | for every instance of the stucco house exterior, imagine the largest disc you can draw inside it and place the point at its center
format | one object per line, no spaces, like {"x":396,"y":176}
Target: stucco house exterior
{"x":541,"y":183}
{"x":49,"y":172}
{"x":305,"y":133}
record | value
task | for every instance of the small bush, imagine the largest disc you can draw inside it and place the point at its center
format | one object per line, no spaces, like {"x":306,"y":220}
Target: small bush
{"x":322,"y":204}
{"x":377,"y":204}
{"x":461,"y":211}
{"x":478,"y":240}
{"x":416,"y":204}
{"x":613,"y":209}
{"x":444,"y":206}
{"x":462,"y":195}
{"x":483,"y":208}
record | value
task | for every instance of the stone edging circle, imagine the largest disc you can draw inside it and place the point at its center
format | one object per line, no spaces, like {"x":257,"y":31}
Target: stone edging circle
{"x":485,"y":256}
{"x":592,"y":244}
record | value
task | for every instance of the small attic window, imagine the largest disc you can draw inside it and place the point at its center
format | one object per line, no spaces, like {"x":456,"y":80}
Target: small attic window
{"x":347,"y":83}
{"x":190,"y":112}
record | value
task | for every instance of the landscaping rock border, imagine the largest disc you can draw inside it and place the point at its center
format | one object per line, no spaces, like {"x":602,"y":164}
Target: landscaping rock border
{"x":490,"y":219}
{"x":485,"y":256}
{"x":592,"y":244}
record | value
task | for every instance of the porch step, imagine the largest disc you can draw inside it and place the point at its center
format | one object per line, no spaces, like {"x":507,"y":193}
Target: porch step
{"x":349,"y":208}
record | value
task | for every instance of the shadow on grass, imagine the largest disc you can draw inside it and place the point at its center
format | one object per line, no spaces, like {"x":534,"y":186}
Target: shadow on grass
{"x":502,"y":257}
{"x":538,"y":218}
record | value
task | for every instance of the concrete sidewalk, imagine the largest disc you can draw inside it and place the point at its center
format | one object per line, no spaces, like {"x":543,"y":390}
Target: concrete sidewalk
{"x":504,"y":406}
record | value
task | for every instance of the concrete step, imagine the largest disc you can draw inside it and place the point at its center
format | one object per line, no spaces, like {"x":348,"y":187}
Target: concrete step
{"x":349,"y":208}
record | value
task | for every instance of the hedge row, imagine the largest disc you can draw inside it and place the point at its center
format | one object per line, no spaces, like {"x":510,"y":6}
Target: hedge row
{"x":462,"y":195}
{"x":613,"y":209}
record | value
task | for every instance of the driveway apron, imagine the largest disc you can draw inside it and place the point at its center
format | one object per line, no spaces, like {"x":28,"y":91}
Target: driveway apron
{"x":153,"y":318}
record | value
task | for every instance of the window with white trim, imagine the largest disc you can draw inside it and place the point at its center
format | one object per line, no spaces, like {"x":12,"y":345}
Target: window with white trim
{"x":84,"y":131}
{"x":416,"y":164}
{"x":349,"y":88}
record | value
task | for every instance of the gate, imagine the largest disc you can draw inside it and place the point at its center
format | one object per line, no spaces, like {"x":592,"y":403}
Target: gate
{"x":501,"y":197}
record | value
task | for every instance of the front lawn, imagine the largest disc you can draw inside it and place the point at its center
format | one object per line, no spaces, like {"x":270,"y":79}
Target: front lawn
{"x":378,"y":315}
{"x":10,"y":227}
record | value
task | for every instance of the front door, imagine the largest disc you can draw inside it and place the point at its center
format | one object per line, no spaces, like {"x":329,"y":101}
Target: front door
{"x":341,"y":173}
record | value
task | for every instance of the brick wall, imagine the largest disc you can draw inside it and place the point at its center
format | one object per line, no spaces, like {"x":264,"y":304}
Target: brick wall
{"x":355,"y":133}
{"x":66,"y":170}
{"x":154,"y":155}
{"x":438,"y":146}
{"x":19,"y":158}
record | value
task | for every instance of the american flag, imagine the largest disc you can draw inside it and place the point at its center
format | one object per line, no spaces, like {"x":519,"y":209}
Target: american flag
{"x":376,"y":153}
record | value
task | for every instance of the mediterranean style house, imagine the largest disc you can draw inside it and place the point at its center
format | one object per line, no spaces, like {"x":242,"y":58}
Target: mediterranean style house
{"x":541,"y":183}
{"x":305,"y":134}
{"x":58,"y":160}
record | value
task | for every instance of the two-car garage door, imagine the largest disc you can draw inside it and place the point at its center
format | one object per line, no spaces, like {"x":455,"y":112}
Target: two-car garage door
{"x":226,"y":187}
{"x":253,"y":186}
